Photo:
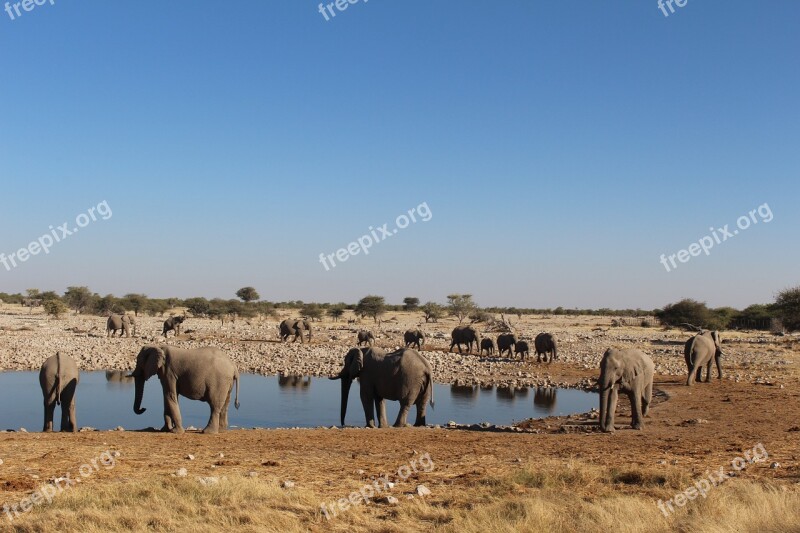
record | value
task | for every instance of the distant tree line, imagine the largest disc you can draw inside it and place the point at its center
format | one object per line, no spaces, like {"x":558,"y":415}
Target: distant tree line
{"x":786,"y":308}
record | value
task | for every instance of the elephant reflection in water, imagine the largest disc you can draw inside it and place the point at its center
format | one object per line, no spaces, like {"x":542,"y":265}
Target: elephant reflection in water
{"x":545,"y":397}
{"x":118,"y":376}
{"x":464,"y":391}
{"x":297,"y":382}
{"x":510,"y":393}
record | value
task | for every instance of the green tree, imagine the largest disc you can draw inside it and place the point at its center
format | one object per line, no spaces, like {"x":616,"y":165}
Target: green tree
{"x":312,"y":311}
{"x":78,"y":298}
{"x":410,"y":303}
{"x":247,"y":294}
{"x":197,"y":306}
{"x":688,"y":311}
{"x":373,"y":306}
{"x":55,"y":308}
{"x":336,"y":311}
{"x":135,"y":302}
{"x":787,"y":306}
{"x":461,"y":306}
{"x":432,"y":312}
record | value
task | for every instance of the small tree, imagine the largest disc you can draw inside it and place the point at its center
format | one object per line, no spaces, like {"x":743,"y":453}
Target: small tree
{"x":312,"y":311}
{"x":336,"y":312}
{"x":688,"y":311}
{"x":373,"y":306}
{"x":787,"y":306}
{"x":432,"y":312}
{"x":55,"y":308}
{"x":135,"y":302}
{"x":197,"y":306}
{"x":33,"y":293}
{"x":78,"y":298}
{"x":461,"y":306}
{"x":247,"y":294}
{"x":410,"y":303}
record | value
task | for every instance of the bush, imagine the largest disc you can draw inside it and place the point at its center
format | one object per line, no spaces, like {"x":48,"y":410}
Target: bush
{"x":787,"y":305}
{"x":55,"y":308}
{"x":689,"y":311}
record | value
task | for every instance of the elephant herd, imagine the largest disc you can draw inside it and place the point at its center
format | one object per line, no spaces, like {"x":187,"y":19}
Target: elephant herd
{"x":544,"y":344}
{"x":209,"y":375}
{"x":126,"y":324}
{"x":631,"y":372}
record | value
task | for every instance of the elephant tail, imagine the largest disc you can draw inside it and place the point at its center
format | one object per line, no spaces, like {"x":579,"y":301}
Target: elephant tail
{"x":236,"y":379}
{"x":58,"y":378}
{"x":430,"y":384}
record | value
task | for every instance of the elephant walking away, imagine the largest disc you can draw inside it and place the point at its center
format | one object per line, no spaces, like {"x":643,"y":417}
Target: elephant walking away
{"x":487,"y":345}
{"x":403,"y":375}
{"x":296,"y":328}
{"x":205,"y":374}
{"x":521,"y":348}
{"x":506,"y":342}
{"x":545,"y":344}
{"x":414,"y":337}
{"x":59,"y":377}
{"x":701,"y":350}
{"x":465,"y":335}
{"x":629,"y":371}
{"x":122,"y":323}
{"x":366,"y":338}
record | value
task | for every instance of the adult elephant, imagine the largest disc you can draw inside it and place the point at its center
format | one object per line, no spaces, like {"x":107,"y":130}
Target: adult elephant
{"x":59,"y":377}
{"x":296,"y":328}
{"x":630,"y":371}
{"x":403,"y":375}
{"x":366,"y":338}
{"x":700,"y":351}
{"x":487,"y":345}
{"x":205,"y":374}
{"x":465,"y":335}
{"x":122,"y":323}
{"x":545,"y":343}
{"x":414,"y":337}
{"x":506,"y":342}
{"x":173,"y":323}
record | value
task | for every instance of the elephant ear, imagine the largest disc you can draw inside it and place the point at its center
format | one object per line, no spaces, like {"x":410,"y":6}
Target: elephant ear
{"x":355,"y":362}
{"x":154,"y":362}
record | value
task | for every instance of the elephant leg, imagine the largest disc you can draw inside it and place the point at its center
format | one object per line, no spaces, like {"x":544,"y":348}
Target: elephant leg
{"x":168,"y":423}
{"x":402,"y":415}
{"x":64,"y":416}
{"x":49,"y":411}
{"x":380,"y":407}
{"x":612,"y":408}
{"x":173,"y":411}
{"x":367,"y":401}
{"x":223,"y":416}
{"x":636,"y":409}
{"x":718,"y":360}
{"x":708,"y":371}
{"x":422,"y":406}
{"x":213,"y":420}
{"x":646,"y":398}
{"x":692,"y":374}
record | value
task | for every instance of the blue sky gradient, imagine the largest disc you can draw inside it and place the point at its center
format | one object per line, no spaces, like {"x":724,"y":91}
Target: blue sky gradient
{"x":562,"y":147}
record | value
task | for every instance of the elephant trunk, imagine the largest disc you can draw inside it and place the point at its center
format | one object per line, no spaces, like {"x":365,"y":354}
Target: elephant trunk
{"x":137,"y":401}
{"x":346,"y":382}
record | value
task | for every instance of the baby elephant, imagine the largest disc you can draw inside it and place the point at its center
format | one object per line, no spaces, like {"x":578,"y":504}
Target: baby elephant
{"x":630,"y":371}
{"x":521,"y":347}
{"x":59,"y":378}
{"x":173,"y":323}
{"x":366,"y":338}
{"x":414,"y":337}
{"x":488,"y":345}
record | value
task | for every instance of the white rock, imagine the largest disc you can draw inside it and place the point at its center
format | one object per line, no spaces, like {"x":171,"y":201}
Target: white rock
{"x":422,"y":490}
{"x":208,"y":480}
{"x":190,"y":457}
{"x":287,"y":484}
{"x":181,"y":472}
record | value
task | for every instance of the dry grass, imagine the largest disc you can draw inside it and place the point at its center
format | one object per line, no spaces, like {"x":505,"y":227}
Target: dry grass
{"x":548,"y":496}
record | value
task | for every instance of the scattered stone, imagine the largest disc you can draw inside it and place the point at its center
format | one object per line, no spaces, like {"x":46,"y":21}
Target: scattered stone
{"x":252,"y":473}
{"x":287,"y":484}
{"x":23,"y":430}
{"x":271,"y":463}
{"x":422,"y":490}
{"x":181,"y":472}
{"x":119,"y":428}
{"x":775,"y":465}
{"x":391,"y":500}
{"x":190,"y":457}
{"x":208,"y":480}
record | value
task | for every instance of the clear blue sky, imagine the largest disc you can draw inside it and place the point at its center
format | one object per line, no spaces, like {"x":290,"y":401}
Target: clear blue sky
{"x":562,"y":147}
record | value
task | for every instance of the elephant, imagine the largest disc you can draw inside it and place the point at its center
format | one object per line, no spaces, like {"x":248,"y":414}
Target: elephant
{"x":122,"y":323}
{"x":699,"y":351}
{"x":403,"y":375}
{"x":521,"y":348}
{"x":487,"y":345}
{"x":366,"y":337}
{"x":465,"y":335}
{"x":205,"y":374}
{"x":59,"y":379}
{"x":545,"y":344}
{"x":294,"y":327}
{"x":545,"y":397}
{"x":415,"y":337}
{"x":630,"y":371}
{"x":173,"y":323}
{"x":118,"y":376}
{"x":299,"y":382}
{"x":505,"y":342}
